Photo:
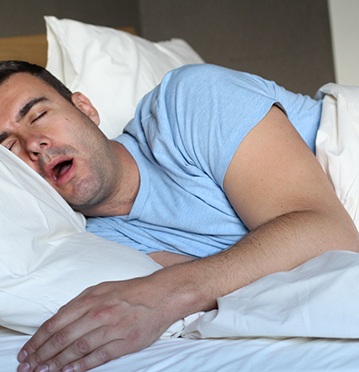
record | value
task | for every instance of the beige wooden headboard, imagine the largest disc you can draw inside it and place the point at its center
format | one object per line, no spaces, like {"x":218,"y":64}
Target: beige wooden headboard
{"x":31,"y":48}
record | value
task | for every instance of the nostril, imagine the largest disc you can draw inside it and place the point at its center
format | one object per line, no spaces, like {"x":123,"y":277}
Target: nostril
{"x":34,"y":155}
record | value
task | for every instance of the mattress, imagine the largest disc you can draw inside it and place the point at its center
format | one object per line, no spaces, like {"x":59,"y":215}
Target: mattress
{"x":247,"y":354}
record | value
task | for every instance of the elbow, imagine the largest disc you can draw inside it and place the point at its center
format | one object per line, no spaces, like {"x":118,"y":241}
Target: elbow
{"x":343,"y":232}
{"x":353,"y":239}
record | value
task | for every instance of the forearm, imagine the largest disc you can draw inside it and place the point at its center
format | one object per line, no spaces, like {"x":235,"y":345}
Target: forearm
{"x":279,"y":245}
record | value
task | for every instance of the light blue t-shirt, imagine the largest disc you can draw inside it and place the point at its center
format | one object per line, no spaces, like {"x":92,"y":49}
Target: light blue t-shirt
{"x":183,"y":137}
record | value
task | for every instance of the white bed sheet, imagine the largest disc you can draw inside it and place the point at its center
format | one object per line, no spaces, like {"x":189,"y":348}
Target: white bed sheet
{"x":257,"y":354}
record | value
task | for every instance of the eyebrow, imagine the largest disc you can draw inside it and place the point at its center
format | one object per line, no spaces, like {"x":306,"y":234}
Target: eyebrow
{"x":28,"y":106}
{"x":22,"y":113}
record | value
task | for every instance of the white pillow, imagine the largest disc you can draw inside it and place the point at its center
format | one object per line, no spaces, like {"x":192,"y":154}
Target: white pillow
{"x":46,"y":256}
{"x":337,"y":145}
{"x":113,"y":68}
{"x":317,"y":299}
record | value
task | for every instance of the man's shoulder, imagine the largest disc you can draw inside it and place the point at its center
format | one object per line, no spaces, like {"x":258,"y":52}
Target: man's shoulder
{"x":204,"y":77}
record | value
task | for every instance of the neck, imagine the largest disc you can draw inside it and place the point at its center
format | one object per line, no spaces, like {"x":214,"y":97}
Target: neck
{"x":126,"y":181}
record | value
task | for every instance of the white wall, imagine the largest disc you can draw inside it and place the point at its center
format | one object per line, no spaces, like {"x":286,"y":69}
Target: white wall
{"x":344,"y":21}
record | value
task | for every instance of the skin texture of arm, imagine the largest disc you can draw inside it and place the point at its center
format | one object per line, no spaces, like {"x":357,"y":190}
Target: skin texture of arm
{"x":293,"y":213}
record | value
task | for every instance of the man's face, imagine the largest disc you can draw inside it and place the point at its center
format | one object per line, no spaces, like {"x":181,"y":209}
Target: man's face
{"x":60,"y":141}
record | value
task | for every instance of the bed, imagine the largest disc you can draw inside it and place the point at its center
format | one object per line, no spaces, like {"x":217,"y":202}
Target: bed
{"x":303,"y":320}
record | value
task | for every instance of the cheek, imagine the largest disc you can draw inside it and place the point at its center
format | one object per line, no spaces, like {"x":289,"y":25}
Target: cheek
{"x":20,"y":153}
{"x":31,"y":164}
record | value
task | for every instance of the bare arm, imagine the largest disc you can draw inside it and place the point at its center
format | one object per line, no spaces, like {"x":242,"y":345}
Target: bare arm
{"x":279,"y":190}
{"x":289,"y":205}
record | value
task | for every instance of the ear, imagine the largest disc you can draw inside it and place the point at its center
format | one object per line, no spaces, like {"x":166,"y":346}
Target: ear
{"x":85,"y":105}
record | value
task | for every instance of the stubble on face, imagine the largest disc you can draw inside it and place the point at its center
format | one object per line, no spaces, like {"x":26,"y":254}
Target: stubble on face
{"x":88,"y":188}
{"x":62,"y":142}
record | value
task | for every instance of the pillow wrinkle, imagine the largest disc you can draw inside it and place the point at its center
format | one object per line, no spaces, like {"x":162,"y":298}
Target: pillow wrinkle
{"x":12,"y":315}
{"x":337,"y":145}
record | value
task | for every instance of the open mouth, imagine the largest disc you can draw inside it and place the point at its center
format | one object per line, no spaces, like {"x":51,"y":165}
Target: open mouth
{"x":61,"y":168}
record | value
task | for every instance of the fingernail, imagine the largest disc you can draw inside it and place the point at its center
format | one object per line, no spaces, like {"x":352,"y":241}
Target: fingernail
{"x":24,"y":367}
{"x":22,"y":356}
{"x":43,"y":368}
{"x":68,"y":369}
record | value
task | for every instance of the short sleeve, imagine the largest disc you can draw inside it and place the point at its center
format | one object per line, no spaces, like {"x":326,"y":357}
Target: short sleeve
{"x":199,"y":116}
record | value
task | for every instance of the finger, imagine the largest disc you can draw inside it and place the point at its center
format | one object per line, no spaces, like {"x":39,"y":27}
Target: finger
{"x":33,"y":349}
{"x":60,"y":346}
{"x":40,"y":351}
{"x":81,"y":347}
{"x":98,"y":347}
{"x":104,"y":354}
{"x":66,"y":315}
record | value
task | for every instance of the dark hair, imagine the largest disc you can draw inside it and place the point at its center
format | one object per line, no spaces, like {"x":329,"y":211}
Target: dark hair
{"x":9,"y":68}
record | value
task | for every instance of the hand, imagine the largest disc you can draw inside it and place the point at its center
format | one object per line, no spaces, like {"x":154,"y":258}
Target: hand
{"x":103,"y":323}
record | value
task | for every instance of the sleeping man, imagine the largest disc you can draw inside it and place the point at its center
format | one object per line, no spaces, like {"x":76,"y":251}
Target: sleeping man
{"x":215,"y":178}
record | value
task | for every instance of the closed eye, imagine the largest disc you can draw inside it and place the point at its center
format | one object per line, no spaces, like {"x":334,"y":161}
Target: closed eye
{"x":24,"y":110}
{"x":39,"y":117}
{"x":6,"y":140}
{"x":9,"y":144}
{"x":9,"y":147}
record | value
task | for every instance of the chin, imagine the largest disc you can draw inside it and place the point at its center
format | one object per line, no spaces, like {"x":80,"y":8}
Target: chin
{"x":88,"y":207}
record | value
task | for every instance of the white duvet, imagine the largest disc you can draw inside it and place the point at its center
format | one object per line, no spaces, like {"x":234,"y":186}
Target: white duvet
{"x":317,"y":299}
{"x":46,"y":257}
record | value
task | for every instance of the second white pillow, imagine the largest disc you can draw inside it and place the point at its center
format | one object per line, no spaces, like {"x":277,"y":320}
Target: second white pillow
{"x":113,"y":68}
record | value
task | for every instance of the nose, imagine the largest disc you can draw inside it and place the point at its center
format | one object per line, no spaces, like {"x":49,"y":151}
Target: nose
{"x":35,"y":145}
